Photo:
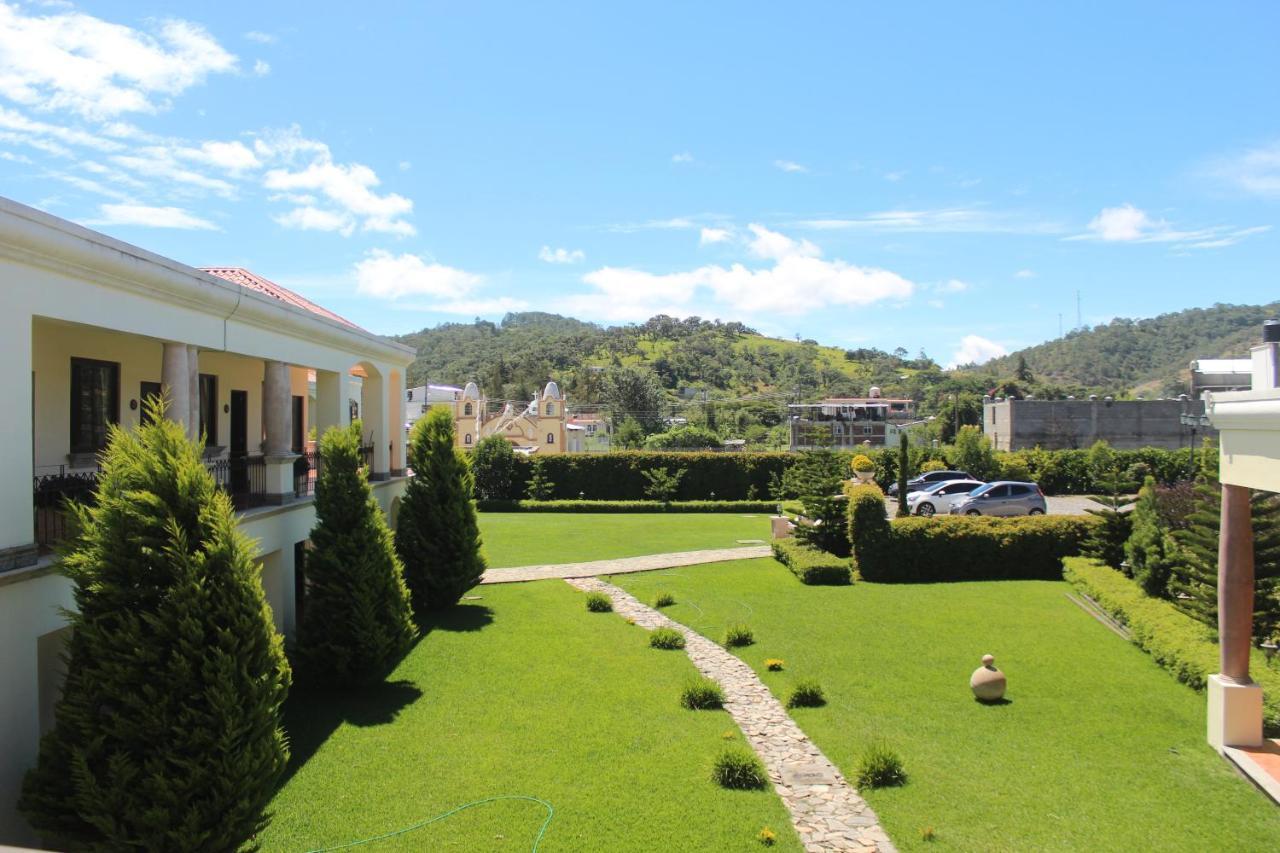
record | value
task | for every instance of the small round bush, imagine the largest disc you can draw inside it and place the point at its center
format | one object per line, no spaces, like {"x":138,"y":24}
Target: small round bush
{"x":862,"y":462}
{"x":664,"y":599}
{"x":598,"y":602}
{"x":702,"y":694}
{"x":666,"y":638}
{"x":738,"y":635}
{"x":806,"y":693}
{"x":879,"y":767}
{"x":774,"y":664}
{"x":737,"y":767}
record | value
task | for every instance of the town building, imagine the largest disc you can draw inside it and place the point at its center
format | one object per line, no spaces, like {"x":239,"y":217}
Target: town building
{"x":1220,"y":374}
{"x":540,"y":426}
{"x":91,"y":328}
{"x":847,"y":422}
{"x":1065,"y":424}
{"x":589,"y":434}
{"x":420,"y":398}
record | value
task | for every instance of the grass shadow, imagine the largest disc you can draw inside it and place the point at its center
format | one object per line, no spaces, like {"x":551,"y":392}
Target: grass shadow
{"x":461,"y":617}
{"x":312,"y":715}
{"x":993,"y":701}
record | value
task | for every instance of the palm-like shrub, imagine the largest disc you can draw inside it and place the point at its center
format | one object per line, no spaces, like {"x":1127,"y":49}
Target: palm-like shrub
{"x":357,"y":621}
{"x":437,"y":536}
{"x":167,"y":735}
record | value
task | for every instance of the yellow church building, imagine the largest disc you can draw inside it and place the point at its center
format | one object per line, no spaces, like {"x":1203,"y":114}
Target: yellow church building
{"x":538,"y":427}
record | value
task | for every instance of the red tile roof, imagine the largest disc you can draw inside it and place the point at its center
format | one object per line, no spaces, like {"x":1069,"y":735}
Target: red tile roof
{"x":255,"y":282}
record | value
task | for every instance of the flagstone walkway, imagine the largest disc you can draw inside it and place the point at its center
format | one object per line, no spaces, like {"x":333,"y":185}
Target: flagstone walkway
{"x":827,"y":812}
{"x":623,"y":565}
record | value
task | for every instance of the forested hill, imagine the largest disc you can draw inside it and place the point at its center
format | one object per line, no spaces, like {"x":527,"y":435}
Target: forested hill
{"x":1150,"y":356}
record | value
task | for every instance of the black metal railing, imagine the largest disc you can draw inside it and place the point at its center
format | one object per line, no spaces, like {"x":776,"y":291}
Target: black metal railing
{"x":50,"y":495}
{"x":244,"y":478}
{"x":306,"y":470}
{"x":366,"y":454}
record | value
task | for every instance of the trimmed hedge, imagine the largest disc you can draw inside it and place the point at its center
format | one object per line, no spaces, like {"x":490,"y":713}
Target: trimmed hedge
{"x":1176,"y":641}
{"x":812,"y":566}
{"x":954,"y":548}
{"x":627,"y":506}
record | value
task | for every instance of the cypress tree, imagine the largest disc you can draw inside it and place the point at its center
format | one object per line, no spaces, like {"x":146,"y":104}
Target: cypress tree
{"x":167,"y":735}
{"x":904,"y":472}
{"x":357,"y":621}
{"x":1146,"y":550}
{"x":437,"y":535}
{"x":1107,"y":540}
{"x":540,"y":486}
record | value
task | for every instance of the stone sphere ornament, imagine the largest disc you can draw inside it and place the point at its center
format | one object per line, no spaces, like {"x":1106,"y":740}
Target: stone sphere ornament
{"x":987,"y":682}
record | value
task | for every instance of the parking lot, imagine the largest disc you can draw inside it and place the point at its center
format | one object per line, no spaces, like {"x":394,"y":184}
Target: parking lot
{"x":1058,"y":505}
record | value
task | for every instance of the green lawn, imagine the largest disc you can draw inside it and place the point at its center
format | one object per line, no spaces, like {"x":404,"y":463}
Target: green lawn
{"x":534,"y":538}
{"x":522,"y":692}
{"x":1097,"y":748}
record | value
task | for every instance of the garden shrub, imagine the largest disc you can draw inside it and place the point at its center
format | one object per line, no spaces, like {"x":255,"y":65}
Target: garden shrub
{"x":737,"y":767}
{"x":666,"y":638}
{"x":879,"y":767}
{"x":628,"y":506}
{"x":738,"y":635}
{"x":664,"y":599}
{"x":806,"y":693}
{"x":774,"y":664}
{"x":437,"y":535}
{"x":539,"y":487}
{"x":869,"y":529}
{"x":933,"y":465}
{"x":1148,"y":546}
{"x":953,"y":548}
{"x":702,"y":694}
{"x":812,"y":566}
{"x":168,"y":732}
{"x":662,"y":483}
{"x":1175,"y":640}
{"x":598,"y":602}
{"x":497,"y":474}
{"x":357,"y":621}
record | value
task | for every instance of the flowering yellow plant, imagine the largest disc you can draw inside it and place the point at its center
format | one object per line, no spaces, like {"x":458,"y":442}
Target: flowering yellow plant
{"x":862,"y":462}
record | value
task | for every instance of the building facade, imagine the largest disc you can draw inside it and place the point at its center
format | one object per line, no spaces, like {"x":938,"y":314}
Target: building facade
{"x":848,"y":422}
{"x":1220,"y":374}
{"x":1065,"y":424}
{"x":537,"y":427}
{"x":92,"y":327}
{"x":420,"y":398}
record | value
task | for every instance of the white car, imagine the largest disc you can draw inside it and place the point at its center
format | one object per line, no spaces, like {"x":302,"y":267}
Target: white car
{"x":938,"y":497}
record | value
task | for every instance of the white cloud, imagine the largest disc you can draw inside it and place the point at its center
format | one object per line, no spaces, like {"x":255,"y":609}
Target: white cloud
{"x":682,"y":157}
{"x":975,"y":349}
{"x":947,"y":220}
{"x":789,"y":166}
{"x":561,"y":256}
{"x":158,"y":162}
{"x":1025,"y":274}
{"x":714,"y":235}
{"x":894,"y":177}
{"x":953,"y":285}
{"x":798,"y":282}
{"x":386,"y":276}
{"x":232,"y":156}
{"x":151,"y":217}
{"x":76,"y":62}
{"x":261,"y":67}
{"x":672,"y":224}
{"x":260,"y":37}
{"x":308,"y":218}
{"x":775,"y":246}
{"x":1129,"y":224}
{"x":349,"y":187}
{"x":1255,"y":171}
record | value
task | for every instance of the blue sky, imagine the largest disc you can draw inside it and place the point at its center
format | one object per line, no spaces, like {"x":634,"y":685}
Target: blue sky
{"x":936,"y":176}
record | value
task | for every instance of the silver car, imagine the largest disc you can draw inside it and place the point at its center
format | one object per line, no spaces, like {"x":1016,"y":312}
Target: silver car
{"x":939,"y":497}
{"x":1003,"y":497}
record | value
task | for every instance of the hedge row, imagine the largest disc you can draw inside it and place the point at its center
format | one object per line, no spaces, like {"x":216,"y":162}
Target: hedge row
{"x":627,"y":506}
{"x":812,"y":566}
{"x":1176,"y":641}
{"x":955,"y":548}
{"x":756,"y":476}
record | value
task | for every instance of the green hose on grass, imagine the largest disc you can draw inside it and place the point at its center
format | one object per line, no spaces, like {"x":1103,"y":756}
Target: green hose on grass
{"x":536,"y":841}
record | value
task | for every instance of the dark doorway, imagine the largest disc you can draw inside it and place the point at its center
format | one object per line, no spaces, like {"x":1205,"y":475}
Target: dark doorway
{"x":239,"y":441}
{"x":299,"y":424}
{"x":148,"y":394}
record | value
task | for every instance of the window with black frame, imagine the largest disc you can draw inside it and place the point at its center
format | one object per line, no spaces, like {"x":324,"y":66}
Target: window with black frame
{"x":95,"y":403}
{"x":209,"y":408}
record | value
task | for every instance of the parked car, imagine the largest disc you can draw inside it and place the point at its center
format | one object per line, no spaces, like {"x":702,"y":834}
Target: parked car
{"x":915,"y":483}
{"x":939,"y":497}
{"x":1003,"y":497}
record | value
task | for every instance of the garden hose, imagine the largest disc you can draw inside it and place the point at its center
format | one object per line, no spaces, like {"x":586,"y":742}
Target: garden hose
{"x":536,"y":841}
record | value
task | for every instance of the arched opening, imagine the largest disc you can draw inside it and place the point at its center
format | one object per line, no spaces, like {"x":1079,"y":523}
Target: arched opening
{"x":551,"y":438}
{"x":467,"y":410}
{"x":467,"y":439}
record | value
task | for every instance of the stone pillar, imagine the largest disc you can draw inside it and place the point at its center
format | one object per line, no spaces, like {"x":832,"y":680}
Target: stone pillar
{"x":176,"y":383}
{"x":193,"y":393}
{"x":277,"y":413}
{"x":1235,"y":701}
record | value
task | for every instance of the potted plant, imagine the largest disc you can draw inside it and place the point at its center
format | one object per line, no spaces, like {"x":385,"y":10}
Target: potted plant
{"x":863,"y":468}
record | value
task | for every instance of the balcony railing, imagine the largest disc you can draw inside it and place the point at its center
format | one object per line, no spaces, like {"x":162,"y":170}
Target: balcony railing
{"x":243,"y":478}
{"x":306,"y":471}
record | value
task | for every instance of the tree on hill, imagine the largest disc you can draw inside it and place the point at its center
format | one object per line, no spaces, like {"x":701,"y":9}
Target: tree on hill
{"x":1023,"y":372}
{"x":683,"y":438}
{"x":437,"y":535}
{"x":167,"y":735}
{"x":634,"y":393}
{"x":357,"y":622}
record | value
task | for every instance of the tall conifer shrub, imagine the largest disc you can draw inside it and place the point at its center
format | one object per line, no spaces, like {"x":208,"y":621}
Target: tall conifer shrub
{"x":436,"y":534}
{"x":357,"y":621}
{"x":167,"y":735}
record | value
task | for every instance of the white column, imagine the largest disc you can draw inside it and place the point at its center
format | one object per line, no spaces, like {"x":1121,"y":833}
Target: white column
{"x":176,"y":383}
{"x":277,"y":409}
{"x":374,"y":413}
{"x":193,"y":392}
{"x":17,"y":524}
{"x":331,"y":401}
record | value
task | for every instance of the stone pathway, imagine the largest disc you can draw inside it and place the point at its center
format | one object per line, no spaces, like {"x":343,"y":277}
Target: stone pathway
{"x":623,"y":565}
{"x":826,"y":810}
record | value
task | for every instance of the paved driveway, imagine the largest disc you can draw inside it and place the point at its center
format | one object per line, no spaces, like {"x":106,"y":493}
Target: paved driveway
{"x":1059,"y":505}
